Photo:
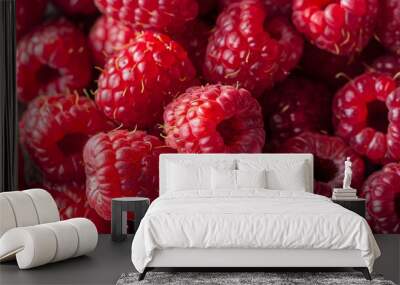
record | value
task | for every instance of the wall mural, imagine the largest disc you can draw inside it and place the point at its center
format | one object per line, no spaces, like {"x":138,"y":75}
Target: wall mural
{"x":105,"y":87}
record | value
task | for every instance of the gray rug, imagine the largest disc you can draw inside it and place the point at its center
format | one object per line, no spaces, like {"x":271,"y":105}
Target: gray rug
{"x":243,"y":278}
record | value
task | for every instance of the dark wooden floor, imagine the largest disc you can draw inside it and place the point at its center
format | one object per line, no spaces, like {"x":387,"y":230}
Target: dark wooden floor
{"x":110,"y":259}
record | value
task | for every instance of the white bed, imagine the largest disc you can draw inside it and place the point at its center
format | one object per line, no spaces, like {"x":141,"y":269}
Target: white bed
{"x":249,"y":227}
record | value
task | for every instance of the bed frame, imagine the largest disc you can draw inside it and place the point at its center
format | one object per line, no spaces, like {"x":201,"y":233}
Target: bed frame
{"x":245,"y":258}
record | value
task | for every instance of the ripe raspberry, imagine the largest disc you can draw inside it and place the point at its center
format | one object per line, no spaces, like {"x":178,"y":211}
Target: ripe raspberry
{"x":121,"y":163}
{"x":28,"y":13}
{"x":54,"y":130}
{"x":71,"y":201}
{"x":242,"y":50}
{"x":80,"y":7}
{"x":294,"y":106}
{"x":162,"y":15}
{"x":382,"y":193}
{"x":366,"y":114}
{"x":214,"y":119}
{"x":194,"y":39}
{"x":272,"y":7}
{"x":389,"y":64}
{"x":330,"y":68}
{"x":141,"y":78}
{"x":329,"y":156}
{"x":388,"y":28}
{"x":340,"y":27}
{"x":107,"y":36}
{"x":52,"y":59}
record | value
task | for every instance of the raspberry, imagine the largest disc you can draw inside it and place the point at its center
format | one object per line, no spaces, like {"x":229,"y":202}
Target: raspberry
{"x":214,"y":119}
{"x":294,"y":106}
{"x":272,"y":7}
{"x":388,"y":28}
{"x":194,"y":38}
{"x":28,"y":13}
{"x":106,"y":36}
{"x":389,"y":64}
{"x":162,"y":15}
{"x":366,"y":114}
{"x":52,"y":59}
{"x":54,"y":130}
{"x":80,"y":7}
{"x":141,"y":78}
{"x":71,"y":201}
{"x":121,"y":163}
{"x":329,"y":156}
{"x":241,"y":50}
{"x":340,"y":27}
{"x":330,"y":68}
{"x":382,"y":192}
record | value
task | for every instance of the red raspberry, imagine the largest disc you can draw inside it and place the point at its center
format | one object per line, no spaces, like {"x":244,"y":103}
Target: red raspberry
{"x":214,"y":119}
{"x":28,"y":13}
{"x":54,"y":130}
{"x":107,"y":36}
{"x":388,"y":29}
{"x":294,"y":106}
{"x":242,"y":50}
{"x":121,"y":163}
{"x":161,"y":15}
{"x":329,"y":156}
{"x":80,"y":7}
{"x":141,"y":78}
{"x":366,"y":113}
{"x":52,"y":59}
{"x":382,"y":193}
{"x":272,"y":7}
{"x":71,"y":201}
{"x":194,"y":38}
{"x":340,"y":27}
{"x":330,"y":68}
{"x":389,"y":64}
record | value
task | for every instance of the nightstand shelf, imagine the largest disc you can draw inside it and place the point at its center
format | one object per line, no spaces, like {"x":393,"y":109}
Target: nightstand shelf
{"x":356,"y":205}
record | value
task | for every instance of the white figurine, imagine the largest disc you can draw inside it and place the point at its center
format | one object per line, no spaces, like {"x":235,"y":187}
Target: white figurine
{"x":347,"y":174}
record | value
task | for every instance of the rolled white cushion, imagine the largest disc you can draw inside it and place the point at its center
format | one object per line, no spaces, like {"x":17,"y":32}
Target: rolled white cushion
{"x":40,"y":244}
{"x":67,"y":240}
{"x":46,"y":207}
{"x":87,"y":235}
{"x":32,"y":246}
{"x":23,"y":208}
{"x":7,"y":218}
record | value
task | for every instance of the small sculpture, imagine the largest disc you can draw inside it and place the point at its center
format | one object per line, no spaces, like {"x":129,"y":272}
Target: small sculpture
{"x":347,"y":174}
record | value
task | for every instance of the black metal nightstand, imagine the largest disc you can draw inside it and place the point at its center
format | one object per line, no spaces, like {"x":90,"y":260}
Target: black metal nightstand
{"x":357,"y":205}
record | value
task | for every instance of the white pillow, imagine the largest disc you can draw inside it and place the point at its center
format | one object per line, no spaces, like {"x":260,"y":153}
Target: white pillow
{"x":251,"y":178}
{"x":223,"y":179}
{"x":281,"y":175}
{"x":291,"y":179}
{"x":181,"y":177}
{"x":189,"y":174}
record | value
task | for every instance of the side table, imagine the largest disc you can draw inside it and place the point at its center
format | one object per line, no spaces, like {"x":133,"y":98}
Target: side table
{"x":119,"y":209}
{"x":357,"y":205}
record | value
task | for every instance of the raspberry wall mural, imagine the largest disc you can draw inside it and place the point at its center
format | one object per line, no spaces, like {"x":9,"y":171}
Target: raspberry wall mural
{"x":105,"y":87}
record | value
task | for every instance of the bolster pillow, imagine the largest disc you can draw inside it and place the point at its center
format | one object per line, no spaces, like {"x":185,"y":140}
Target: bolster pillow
{"x":40,"y":244}
{"x":26,"y":208}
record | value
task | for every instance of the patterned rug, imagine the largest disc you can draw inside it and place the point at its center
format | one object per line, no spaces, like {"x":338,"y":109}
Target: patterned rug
{"x":243,"y":278}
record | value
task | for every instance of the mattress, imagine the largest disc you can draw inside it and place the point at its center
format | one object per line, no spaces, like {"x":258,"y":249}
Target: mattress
{"x":251,"y":219}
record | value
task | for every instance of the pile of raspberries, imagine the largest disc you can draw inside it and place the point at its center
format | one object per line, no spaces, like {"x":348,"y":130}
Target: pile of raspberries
{"x":106,"y":86}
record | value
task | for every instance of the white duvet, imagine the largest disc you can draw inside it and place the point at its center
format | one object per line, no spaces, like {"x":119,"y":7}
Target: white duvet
{"x":253,"y":218}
